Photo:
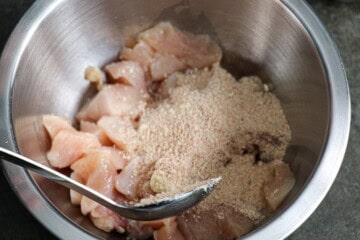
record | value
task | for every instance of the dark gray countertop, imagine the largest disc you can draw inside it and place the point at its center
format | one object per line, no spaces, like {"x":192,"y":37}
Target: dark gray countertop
{"x":338,"y":217}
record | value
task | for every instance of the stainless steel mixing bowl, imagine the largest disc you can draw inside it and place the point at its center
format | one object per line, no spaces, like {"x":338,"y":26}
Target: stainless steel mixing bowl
{"x":41,"y":71}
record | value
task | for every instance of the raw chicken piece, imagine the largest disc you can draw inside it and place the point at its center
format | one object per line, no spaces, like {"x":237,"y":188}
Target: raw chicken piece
{"x":115,"y":99}
{"x":145,"y":229}
{"x":126,"y":182}
{"x":75,"y":197}
{"x":166,"y":87}
{"x":196,"y":51}
{"x":121,"y":132}
{"x":87,"y":165}
{"x":163,"y":50}
{"x":157,"y":224}
{"x":117,"y":157}
{"x":54,"y":124}
{"x":98,"y":169}
{"x":91,"y":127}
{"x":101,"y":179}
{"x":107,"y":220}
{"x":136,"y":231}
{"x":208,"y":225}
{"x":169,"y":232}
{"x":141,"y":53}
{"x":96,"y":76}
{"x":237,"y":225}
{"x":129,"y":73}
{"x":279,"y":187}
{"x":202,"y":226}
{"x":69,"y":146}
{"x":164,"y":65}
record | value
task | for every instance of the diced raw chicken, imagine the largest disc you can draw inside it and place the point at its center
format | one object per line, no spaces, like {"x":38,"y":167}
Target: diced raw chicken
{"x":204,"y":228}
{"x":237,"y":225}
{"x":101,"y":179}
{"x":95,"y":75}
{"x":117,"y":158}
{"x":196,"y":51}
{"x":116,"y":100}
{"x":121,"y":132}
{"x":157,"y":224}
{"x":87,"y":165}
{"x":141,"y":53}
{"x":69,"y":146}
{"x":54,"y":124}
{"x":129,"y":73}
{"x":98,"y":169}
{"x":91,"y":127}
{"x":126,"y":182}
{"x":279,"y":187}
{"x":163,"y":50}
{"x":107,"y":220}
{"x":169,"y":232}
{"x":166,"y":87}
{"x":136,"y":231}
{"x":208,"y":225}
{"x":164,"y":65}
{"x":75,"y":197}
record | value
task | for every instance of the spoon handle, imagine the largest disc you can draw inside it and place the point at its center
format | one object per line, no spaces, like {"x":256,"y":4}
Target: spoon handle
{"x":165,"y":208}
{"x":57,"y":177}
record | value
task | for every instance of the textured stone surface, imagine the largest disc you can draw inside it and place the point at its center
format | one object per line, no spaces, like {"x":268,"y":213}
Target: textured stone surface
{"x":338,"y":217}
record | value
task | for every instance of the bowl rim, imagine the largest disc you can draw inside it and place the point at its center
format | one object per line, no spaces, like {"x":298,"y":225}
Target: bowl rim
{"x":278,"y":228}
{"x":334,"y":149}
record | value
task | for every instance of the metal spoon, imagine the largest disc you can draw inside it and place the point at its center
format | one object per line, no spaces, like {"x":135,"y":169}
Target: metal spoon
{"x":161,"y":209}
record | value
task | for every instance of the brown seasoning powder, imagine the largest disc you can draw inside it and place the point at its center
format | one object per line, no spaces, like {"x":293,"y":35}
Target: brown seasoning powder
{"x":212,"y":125}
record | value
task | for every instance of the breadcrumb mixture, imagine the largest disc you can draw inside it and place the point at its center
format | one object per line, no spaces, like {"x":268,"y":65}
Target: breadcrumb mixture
{"x":212,"y":125}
